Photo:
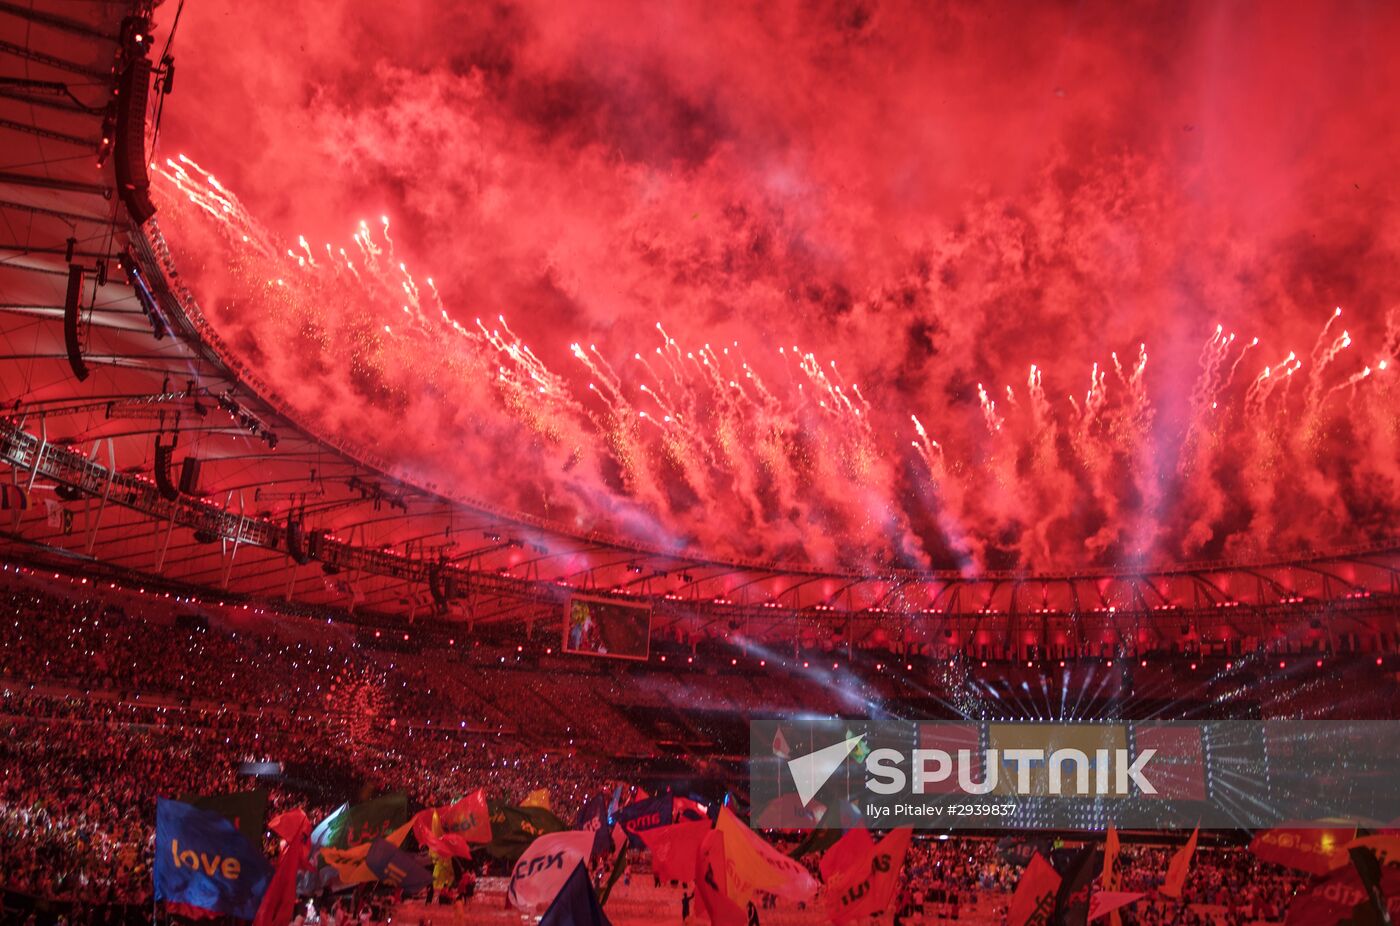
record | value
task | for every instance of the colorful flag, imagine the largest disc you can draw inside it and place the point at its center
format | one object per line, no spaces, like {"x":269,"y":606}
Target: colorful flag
{"x":711,"y":884}
{"x":459,"y":825}
{"x":1106,"y":902}
{"x":575,"y":904}
{"x":1343,"y":897}
{"x":295,"y":830}
{"x":1315,"y":850}
{"x":754,"y":865}
{"x":395,"y":867}
{"x":841,"y":816}
{"x":1077,"y":869}
{"x":201,"y":859}
{"x":1110,"y":860}
{"x":866,"y":887}
{"x":1034,"y":901}
{"x":544,"y":866}
{"x":674,"y":848}
{"x":246,"y":810}
{"x":331,"y":831}
{"x":1386,"y":847}
{"x":350,"y":864}
{"x":619,"y":865}
{"x":852,"y":845}
{"x":1109,"y":878}
{"x":1368,"y":869}
{"x":514,"y":828}
{"x":593,"y":814}
{"x":374,"y":819}
{"x":859,"y":753}
{"x":1179,"y":867}
{"x":644,"y":815}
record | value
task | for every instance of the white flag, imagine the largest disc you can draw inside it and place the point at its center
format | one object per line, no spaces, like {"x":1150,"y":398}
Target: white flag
{"x":541,"y":872}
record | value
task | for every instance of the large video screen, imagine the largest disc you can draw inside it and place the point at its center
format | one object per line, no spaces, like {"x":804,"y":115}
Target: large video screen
{"x":1088,"y":738}
{"x":599,"y":627}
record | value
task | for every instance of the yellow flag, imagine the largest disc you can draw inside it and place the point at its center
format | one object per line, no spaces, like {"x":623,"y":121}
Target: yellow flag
{"x":538,"y":798}
{"x":442,"y":865}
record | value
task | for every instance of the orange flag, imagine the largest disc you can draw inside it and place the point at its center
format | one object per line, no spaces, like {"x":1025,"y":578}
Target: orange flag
{"x":1034,"y":900}
{"x":867,"y":885}
{"x":1179,"y":867}
{"x":712,"y":884}
{"x":755,"y":866}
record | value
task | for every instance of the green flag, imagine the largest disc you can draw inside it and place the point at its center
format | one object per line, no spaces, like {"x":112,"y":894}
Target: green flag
{"x":331,"y":831}
{"x":514,"y":828}
{"x":374,"y":819}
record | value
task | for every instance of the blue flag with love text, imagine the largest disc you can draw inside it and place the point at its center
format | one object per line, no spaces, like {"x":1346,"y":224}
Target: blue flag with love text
{"x":204,"y":861}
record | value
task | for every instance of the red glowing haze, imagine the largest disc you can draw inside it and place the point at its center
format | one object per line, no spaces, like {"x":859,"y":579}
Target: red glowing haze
{"x":1019,"y":225}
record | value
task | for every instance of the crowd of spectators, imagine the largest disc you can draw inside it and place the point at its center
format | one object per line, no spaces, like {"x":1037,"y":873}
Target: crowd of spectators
{"x":104,"y":709}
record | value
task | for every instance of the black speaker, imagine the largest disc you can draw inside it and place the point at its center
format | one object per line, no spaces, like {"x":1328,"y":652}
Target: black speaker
{"x":295,"y":548}
{"x":435,"y":585}
{"x":189,"y":476}
{"x":133,"y":181}
{"x":315,"y":542}
{"x":72,"y":305}
{"x":163,"y":483}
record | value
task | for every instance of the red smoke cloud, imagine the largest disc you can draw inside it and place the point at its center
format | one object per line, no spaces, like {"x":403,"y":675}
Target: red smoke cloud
{"x":934,"y":197}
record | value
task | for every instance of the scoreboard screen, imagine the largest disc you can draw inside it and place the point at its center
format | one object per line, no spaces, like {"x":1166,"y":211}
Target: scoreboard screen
{"x":600,"y":627}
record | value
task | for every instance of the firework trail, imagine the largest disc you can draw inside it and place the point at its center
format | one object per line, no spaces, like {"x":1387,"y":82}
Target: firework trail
{"x":810,"y":469}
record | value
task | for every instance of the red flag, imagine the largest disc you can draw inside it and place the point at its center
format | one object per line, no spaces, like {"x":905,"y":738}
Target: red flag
{"x":463,"y":823}
{"x":1034,"y":900}
{"x":1110,"y":860}
{"x":1109,"y":878}
{"x":1316,"y":851}
{"x":427,"y":829}
{"x":780,"y":745}
{"x":468,"y":818}
{"x":1105,"y":902}
{"x":281,"y":895}
{"x":674,"y":848}
{"x":853,"y":845}
{"x":1179,"y":867}
{"x":712,"y":883}
{"x":1337,"y":898}
{"x":866,"y":886}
